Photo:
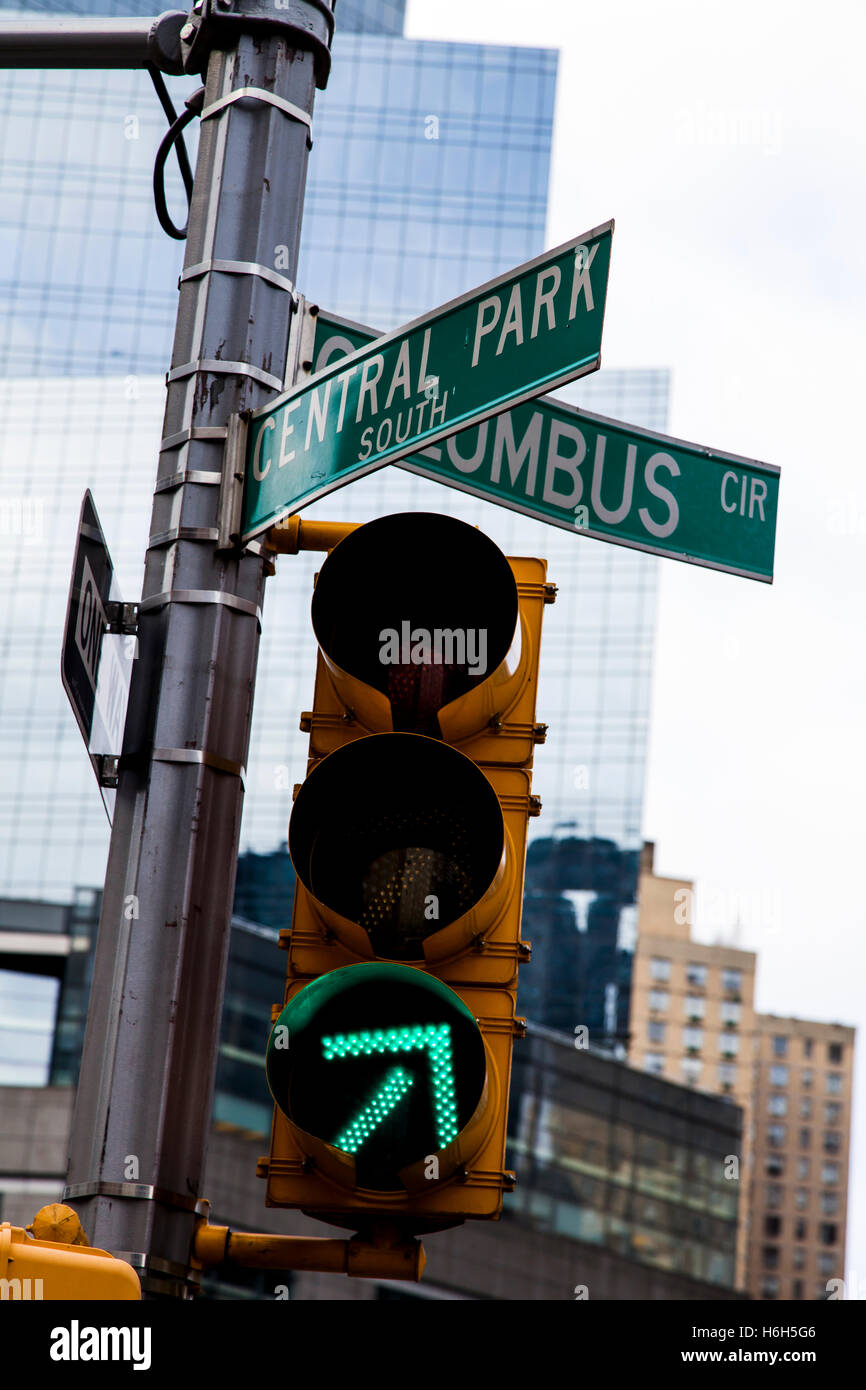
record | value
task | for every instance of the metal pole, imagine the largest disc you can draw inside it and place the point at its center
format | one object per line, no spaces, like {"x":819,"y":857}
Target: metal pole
{"x":143,"y":1107}
{"x":93,"y":43}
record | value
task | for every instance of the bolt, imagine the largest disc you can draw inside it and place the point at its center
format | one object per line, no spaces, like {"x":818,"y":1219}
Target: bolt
{"x":187,"y":31}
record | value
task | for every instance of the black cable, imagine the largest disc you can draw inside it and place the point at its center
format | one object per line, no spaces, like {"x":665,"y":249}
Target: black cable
{"x":193,"y":108}
{"x":171,"y":115}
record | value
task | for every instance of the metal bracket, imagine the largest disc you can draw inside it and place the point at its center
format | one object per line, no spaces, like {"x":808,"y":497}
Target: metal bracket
{"x":302,"y":338}
{"x":232,"y":482}
{"x":107,"y":769}
{"x":307,"y":24}
{"x":122,"y":617}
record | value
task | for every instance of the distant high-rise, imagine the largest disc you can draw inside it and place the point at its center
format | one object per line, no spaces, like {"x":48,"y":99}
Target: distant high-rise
{"x":799,"y":1194}
{"x":693,"y":1020}
{"x":426,"y":178}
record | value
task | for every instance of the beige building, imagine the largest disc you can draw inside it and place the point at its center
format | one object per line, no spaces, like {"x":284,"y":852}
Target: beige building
{"x":693,"y":1021}
{"x":799,"y":1182}
{"x":692,"y":1010}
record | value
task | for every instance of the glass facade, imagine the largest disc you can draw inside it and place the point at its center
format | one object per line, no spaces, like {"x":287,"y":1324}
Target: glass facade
{"x":426,"y":178}
{"x":606,"y":1155}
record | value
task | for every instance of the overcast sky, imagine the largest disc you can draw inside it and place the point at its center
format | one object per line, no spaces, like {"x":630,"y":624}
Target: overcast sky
{"x":728,"y":143}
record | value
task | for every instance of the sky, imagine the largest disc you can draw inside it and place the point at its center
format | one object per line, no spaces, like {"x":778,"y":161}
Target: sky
{"x":727,"y":141}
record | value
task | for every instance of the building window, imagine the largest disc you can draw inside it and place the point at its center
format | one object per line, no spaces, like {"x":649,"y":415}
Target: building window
{"x":803,"y":1168}
{"x":807,"y":1047}
{"x":829,"y":1204}
{"x":797,"y":1288}
{"x":832,"y":1141}
{"x":800,"y":1228}
{"x":834,"y":1053}
{"x":693,"y":1037}
{"x":732,"y":980}
{"x":774,"y":1195}
{"x":774,"y":1165}
{"x":826,"y":1265}
{"x":827,"y":1232}
{"x":799,"y":1257}
{"x":830,"y":1172}
{"x":806,"y":1108}
{"x":769,"y":1286}
{"x":727,"y":1073}
{"x":776,"y":1136}
{"x":778,"y":1076}
{"x":805,"y":1138}
{"x":729,"y":1044}
{"x":656,"y":1031}
{"x":660,"y":969}
{"x":659,"y":1000}
{"x":730,"y":1013}
{"x":832,"y":1112}
{"x":806,"y":1076}
{"x":778,"y":1105}
{"x":770,"y":1257}
{"x":834,"y":1083}
{"x":691,"y":1069}
{"x":801,"y":1198}
{"x":696,"y":974}
{"x":695,"y":1006}
{"x":773,"y":1226}
{"x":780,"y":1047}
{"x":654,"y":1062}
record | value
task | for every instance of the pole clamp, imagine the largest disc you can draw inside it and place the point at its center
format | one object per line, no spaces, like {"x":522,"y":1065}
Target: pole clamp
{"x":198,"y":755}
{"x":306,"y":24}
{"x":273,"y":277}
{"x":288,"y":108}
{"x":209,"y":596}
{"x":220,"y":368}
{"x":139,"y":1192}
{"x":173,"y":441}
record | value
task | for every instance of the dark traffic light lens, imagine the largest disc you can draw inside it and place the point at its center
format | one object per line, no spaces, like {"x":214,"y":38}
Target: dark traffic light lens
{"x":381,"y":1061}
{"x":419,"y":606}
{"x":400,"y":834}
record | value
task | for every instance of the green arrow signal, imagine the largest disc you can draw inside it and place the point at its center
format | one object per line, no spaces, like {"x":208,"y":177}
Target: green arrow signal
{"x":381,"y":1103}
{"x":435,"y":1039}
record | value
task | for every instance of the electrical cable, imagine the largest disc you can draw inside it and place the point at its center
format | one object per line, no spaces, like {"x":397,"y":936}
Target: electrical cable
{"x":173,"y":136}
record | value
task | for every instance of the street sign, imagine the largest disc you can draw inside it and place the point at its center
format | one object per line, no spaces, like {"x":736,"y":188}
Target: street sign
{"x":529,"y":331}
{"x":96,"y":663}
{"x":604,"y":479}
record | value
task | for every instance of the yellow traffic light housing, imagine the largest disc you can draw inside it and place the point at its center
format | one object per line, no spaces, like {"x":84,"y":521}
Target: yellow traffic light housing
{"x":52,"y":1270}
{"x":389,"y":1061}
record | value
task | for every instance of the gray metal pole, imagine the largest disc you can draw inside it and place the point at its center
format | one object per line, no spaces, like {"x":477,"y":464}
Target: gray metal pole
{"x":93,"y":43}
{"x":143,"y":1108}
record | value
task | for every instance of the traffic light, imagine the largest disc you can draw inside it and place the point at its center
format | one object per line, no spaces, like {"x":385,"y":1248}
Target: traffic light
{"x":389,"y":1061}
{"x":53,"y":1269}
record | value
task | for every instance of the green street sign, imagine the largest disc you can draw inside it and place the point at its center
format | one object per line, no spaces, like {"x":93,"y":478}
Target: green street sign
{"x":601,"y":478}
{"x":527,"y":332}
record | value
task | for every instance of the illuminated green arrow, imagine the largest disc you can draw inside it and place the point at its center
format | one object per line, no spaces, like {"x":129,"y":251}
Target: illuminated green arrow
{"x":435,"y":1039}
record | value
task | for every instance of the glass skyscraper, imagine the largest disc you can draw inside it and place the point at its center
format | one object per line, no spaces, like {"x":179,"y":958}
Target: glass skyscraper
{"x":426,"y":178}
